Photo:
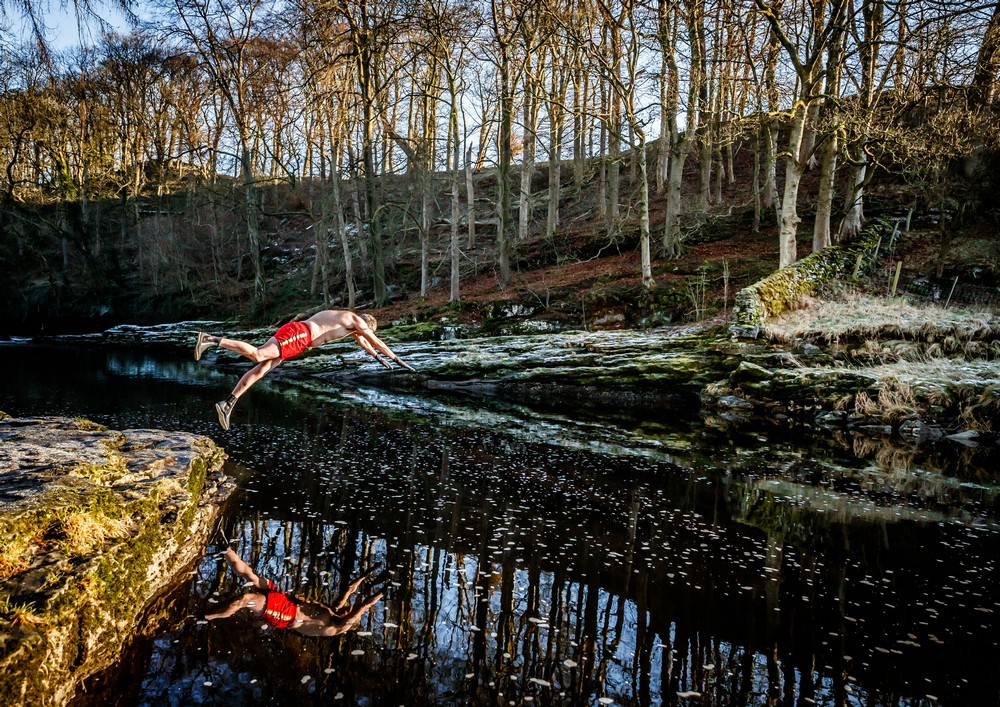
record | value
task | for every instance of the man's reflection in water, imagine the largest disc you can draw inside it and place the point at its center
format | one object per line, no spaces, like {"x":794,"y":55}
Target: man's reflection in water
{"x":310,"y":618}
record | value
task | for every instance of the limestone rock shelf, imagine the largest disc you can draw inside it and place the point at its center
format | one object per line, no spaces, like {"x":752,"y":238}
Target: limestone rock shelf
{"x":97,"y":525}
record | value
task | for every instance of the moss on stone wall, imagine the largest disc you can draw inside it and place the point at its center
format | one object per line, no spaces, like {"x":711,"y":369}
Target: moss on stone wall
{"x":771,"y":296}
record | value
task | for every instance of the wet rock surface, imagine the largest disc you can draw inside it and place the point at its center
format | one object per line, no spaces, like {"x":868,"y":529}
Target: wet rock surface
{"x":638,"y":370}
{"x":98,"y":525}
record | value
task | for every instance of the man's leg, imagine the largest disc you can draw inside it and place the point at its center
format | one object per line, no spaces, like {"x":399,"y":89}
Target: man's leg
{"x":242,"y":569}
{"x":361,"y":609}
{"x":225,"y":407}
{"x":342,"y":600}
{"x":257,"y":354}
{"x":254,"y":375}
{"x":253,"y":601}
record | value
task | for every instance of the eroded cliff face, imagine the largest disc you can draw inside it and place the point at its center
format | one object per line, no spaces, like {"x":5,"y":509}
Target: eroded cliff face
{"x":96,"y":524}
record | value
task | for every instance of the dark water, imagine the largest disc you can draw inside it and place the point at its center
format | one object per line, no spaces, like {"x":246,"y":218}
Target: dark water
{"x":544,"y":559}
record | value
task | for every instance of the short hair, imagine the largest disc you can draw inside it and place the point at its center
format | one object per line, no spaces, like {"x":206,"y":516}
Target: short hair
{"x":371,"y":321}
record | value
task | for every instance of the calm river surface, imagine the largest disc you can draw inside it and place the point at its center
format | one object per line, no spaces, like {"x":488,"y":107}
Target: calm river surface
{"x":538,"y":558}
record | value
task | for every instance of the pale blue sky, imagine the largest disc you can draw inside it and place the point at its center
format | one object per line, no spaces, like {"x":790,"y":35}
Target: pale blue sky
{"x":63,"y":31}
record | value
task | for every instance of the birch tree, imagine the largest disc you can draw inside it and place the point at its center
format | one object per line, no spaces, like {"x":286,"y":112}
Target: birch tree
{"x":805,"y":56}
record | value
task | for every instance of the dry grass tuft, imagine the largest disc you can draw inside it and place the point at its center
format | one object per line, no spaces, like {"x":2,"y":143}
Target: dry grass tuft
{"x":19,"y":613}
{"x":85,"y":531}
{"x":15,"y":553}
{"x":895,"y":401}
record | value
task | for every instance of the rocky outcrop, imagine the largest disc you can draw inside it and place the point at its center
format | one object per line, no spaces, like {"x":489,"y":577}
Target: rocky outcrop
{"x":96,"y":525}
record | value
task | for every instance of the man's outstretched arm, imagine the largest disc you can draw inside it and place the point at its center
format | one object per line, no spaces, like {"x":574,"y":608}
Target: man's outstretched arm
{"x":364,"y":344}
{"x":367,"y":336}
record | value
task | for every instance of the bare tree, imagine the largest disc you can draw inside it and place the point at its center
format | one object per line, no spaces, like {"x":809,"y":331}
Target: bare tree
{"x":692,"y":15}
{"x":371,"y":29}
{"x":624,"y":32}
{"x":506,"y":18}
{"x":227,"y":38}
{"x":805,"y":56}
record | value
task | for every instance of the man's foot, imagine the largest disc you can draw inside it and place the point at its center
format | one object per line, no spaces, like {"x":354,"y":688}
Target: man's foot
{"x":225,"y":409}
{"x":221,"y":534}
{"x":201,"y":345}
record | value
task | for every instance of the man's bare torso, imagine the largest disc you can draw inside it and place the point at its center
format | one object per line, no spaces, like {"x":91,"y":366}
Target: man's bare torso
{"x":331,"y":324}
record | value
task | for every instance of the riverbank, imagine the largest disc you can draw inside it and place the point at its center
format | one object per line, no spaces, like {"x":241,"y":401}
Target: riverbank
{"x":98,"y":526}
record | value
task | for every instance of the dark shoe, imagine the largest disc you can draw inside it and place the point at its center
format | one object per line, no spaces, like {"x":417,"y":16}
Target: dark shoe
{"x":201,"y":345}
{"x":225,"y":409}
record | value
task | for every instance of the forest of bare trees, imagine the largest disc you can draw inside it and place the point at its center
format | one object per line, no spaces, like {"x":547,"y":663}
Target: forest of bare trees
{"x":164,"y":160}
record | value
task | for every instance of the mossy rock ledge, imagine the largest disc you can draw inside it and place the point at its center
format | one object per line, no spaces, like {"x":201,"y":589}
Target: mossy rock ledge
{"x":630,"y":369}
{"x":97,"y":525}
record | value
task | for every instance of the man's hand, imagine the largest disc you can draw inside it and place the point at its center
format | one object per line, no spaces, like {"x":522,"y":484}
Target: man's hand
{"x":405,"y":365}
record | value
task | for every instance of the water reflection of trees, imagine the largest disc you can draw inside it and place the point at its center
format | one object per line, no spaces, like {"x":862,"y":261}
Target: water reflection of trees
{"x":526,"y":571}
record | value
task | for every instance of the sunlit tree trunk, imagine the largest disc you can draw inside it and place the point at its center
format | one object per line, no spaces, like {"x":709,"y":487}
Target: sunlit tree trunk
{"x":828,"y":168}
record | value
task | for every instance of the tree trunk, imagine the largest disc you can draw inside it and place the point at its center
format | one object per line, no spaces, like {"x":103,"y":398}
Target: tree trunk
{"x":675,"y":179}
{"x":614,"y":172}
{"x":321,"y":230}
{"x":854,"y":213}
{"x":456,"y":206}
{"x":527,"y":157}
{"x":470,"y":198}
{"x":771,"y":200}
{"x":828,"y":171}
{"x":704,"y":166}
{"x":728,"y":150}
{"x":425,"y":231}
{"x":788,"y":223}
{"x":756,"y":185}
{"x":672,"y":236}
{"x":663,"y":148}
{"x":824,"y":199}
{"x":644,"y":251}
{"x":602,"y":173}
{"x":581,"y":96}
{"x":555,"y":177}
{"x":719,"y":167}
{"x":344,"y":243}
{"x":503,"y":168}
{"x":251,"y":209}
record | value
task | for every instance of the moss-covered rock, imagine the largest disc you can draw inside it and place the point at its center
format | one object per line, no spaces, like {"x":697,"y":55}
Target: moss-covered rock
{"x":775,"y":293}
{"x":96,"y":525}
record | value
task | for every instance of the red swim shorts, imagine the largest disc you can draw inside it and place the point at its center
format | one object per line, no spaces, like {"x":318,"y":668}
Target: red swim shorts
{"x":293,"y":339}
{"x":279,"y":611}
